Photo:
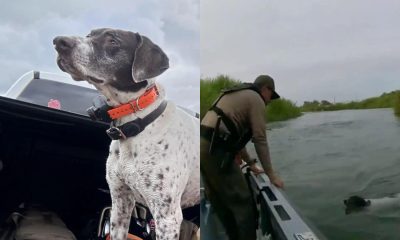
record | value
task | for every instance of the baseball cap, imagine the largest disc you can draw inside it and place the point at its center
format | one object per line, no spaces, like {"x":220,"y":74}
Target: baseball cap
{"x":265,"y":80}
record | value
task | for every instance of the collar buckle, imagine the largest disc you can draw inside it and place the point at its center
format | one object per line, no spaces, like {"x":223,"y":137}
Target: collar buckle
{"x":115,"y":133}
{"x":137,"y":105}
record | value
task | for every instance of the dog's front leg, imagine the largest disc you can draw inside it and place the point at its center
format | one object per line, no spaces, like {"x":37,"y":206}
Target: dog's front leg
{"x":168,"y":218}
{"x":122,"y":205}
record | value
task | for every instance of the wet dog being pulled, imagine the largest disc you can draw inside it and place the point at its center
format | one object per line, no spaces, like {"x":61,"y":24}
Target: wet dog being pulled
{"x":359,"y":204}
{"x":159,"y":165}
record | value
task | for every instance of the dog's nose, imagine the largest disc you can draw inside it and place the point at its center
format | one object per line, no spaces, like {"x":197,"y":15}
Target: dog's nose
{"x":63,"y":44}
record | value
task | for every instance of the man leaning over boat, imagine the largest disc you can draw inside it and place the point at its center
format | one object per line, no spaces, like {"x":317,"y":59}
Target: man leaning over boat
{"x":235,"y":118}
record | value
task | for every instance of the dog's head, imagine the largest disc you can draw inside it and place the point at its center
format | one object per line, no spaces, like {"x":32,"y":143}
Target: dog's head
{"x":355,"y":204}
{"x":122,"y":59}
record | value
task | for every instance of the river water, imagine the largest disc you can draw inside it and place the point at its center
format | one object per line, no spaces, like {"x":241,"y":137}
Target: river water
{"x":326,"y":157}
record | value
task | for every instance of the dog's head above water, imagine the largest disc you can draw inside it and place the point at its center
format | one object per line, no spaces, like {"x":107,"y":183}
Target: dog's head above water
{"x":356,"y":204}
{"x":122,"y":59}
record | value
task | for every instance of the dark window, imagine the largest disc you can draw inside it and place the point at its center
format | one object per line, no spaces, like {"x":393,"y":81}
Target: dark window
{"x":69,"y":97}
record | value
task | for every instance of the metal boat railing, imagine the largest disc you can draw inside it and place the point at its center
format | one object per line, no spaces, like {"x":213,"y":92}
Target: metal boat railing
{"x":277,"y":220}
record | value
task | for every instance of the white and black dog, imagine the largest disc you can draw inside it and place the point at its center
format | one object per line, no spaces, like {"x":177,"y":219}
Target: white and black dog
{"x":157,"y":166}
{"x":359,"y":204}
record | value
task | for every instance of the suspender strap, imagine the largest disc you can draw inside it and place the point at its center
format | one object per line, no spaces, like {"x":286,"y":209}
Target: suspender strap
{"x":241,"y":141}
{"x":227,"y":121}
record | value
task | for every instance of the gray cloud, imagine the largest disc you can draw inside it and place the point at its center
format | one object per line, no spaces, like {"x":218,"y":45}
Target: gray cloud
{"x":28,"y":27}
{"x":342,"y":50}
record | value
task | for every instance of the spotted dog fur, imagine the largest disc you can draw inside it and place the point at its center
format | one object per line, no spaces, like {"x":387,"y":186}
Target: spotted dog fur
{"x":159,"y":167}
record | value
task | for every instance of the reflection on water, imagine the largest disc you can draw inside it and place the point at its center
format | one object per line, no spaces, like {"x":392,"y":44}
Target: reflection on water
{"x":328,"y":156}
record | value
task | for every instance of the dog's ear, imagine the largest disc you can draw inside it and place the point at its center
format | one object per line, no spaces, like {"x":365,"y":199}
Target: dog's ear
{"x":150,"y":61}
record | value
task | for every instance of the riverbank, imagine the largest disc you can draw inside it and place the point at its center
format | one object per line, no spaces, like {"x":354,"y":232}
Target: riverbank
{"x":386,"y":100}
{"x":210,"y":88}
{"x":396,"y":106}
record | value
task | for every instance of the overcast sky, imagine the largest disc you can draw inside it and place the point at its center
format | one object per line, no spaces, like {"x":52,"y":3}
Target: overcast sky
{"x":27,"y":29}
{"x":343,"y":50}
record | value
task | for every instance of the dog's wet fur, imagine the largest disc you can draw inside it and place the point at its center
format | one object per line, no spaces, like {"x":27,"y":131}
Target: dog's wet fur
{"x":355,"y":204}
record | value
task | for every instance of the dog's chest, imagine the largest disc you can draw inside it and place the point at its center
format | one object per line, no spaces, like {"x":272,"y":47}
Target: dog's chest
{"x":159,"y":160}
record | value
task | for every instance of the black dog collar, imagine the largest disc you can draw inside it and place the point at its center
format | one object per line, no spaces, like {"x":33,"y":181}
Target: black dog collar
{"x":136,"y":126}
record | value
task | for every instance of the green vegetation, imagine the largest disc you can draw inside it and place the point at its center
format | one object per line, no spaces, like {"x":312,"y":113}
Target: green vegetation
{"x":210,"y":89}
{"x":396,"y":106}
{"x":386,"y":100}
{"x":282,"y":109}
{"x":277,"y":110}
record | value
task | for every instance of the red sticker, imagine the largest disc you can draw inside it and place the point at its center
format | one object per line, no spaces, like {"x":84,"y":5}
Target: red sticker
{"x":54,"y":103}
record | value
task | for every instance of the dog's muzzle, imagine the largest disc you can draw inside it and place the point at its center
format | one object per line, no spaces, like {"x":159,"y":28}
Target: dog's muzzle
{"x":64,"y":44}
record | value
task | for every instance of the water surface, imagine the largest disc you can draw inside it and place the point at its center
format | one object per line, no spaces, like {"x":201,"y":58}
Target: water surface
{"x":326,"y":157}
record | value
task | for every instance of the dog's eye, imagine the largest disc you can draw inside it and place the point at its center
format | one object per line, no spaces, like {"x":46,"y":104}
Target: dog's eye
{"x":88,"y":35}
{"x":112,"y":41}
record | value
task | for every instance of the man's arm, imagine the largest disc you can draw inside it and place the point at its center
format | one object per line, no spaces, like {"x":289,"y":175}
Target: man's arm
{"x":245,"y":155}
{"x":259,"y":138}
{"x":258,"y":126}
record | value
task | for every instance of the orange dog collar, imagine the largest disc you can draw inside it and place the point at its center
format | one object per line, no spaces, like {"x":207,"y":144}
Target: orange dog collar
{"x":135,"y":105}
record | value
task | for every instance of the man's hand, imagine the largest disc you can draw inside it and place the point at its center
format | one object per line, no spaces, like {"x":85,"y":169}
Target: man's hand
{"x":255,"y":169}
{"x":276,"y":180}
{"x":238,"y":159}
